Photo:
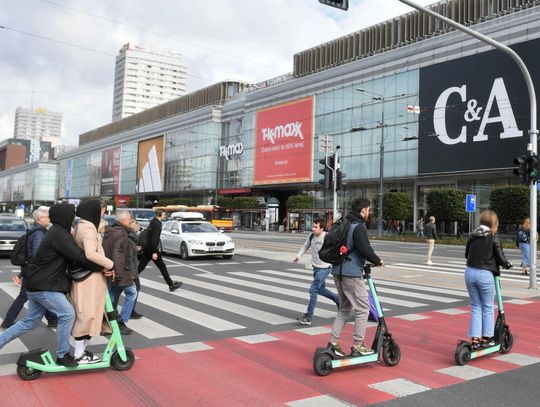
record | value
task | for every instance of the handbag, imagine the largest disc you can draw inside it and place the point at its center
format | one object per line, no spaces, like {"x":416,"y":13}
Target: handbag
{"x":78,"y":273}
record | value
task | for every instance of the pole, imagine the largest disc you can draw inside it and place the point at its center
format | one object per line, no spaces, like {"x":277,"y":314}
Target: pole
{"x":381,"y":176}
{"x":334,"y":183}
{"x":533,"y":129}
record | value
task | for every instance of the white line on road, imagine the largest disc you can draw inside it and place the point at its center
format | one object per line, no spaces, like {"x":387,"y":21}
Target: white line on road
{"x":186,"y":265}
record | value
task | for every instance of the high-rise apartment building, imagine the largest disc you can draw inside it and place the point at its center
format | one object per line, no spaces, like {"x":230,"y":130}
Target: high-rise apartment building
{"x":38,"y":124}
{"x":146,"y":78}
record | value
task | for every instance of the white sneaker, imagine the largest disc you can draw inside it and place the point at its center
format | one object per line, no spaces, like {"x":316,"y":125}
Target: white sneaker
{"x":88,"y":358}
{"x":430,"y":263}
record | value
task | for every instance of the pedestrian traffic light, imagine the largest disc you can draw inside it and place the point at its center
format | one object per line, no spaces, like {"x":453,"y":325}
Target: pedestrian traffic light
{"x":521,"y":168}
{"x":326,"y":181}
{"x":532,"y":168}
{"x":341,"y":4}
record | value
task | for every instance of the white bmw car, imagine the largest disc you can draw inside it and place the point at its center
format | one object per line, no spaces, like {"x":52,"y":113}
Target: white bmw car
{"x":189,"y":235}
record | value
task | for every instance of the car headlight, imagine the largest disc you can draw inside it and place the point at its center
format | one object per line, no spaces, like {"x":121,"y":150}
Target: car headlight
{"x":195,"y":242}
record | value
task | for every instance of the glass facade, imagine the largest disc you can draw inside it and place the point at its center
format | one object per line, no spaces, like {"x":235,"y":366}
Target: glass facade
{"x":30,"y":185}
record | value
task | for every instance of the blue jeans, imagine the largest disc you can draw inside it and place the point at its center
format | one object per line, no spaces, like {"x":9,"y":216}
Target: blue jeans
{"x":318,"y":287}
{"x":481,"y":287}
{"x":38,"y":303}
{"x":525,"y":252}
{"x":129,"y":303}
{"x":18,"y":304}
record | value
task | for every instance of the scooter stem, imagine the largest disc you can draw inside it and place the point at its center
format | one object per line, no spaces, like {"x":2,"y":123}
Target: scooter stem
{"x":499,"y":295}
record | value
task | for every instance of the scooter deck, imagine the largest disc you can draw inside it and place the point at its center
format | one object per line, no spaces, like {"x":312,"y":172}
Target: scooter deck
{"x":354,"y":360}
{"x":485,"y":351}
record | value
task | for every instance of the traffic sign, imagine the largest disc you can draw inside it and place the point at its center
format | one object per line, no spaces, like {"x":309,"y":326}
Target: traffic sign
{"x":470,"y":203}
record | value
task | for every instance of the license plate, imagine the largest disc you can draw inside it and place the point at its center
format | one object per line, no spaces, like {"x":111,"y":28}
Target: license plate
{"x":6,"y":247}
{"x":213,"y":249}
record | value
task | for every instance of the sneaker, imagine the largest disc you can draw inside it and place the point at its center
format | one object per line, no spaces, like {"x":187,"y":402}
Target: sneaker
{"x":361,"y":350}
{"x":17,"y":280}
{"x":67,"y":360}
{"x":52,"y":324}
{"x":88,"y":358}
{"x":6,"y":325}
{"x":334,"y":347}
{"x":487,"y":342}
{"x":430,"y":263}
{"x":175,"y":285}
{"x":135,"y":315}
{"x":305,"y":320}
{"x":124,"y":330}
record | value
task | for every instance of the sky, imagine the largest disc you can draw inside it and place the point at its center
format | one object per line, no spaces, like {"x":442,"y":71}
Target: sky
{"x":60,"y":54}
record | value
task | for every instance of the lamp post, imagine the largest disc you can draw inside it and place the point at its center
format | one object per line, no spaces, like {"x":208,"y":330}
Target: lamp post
{"x":382,"y":125}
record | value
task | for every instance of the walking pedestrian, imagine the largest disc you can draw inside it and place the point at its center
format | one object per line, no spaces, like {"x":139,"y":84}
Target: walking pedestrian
{"x":420,"y":228}
{"x":352,"y":292}
{"x":431,"y":236}
{"x":47,"y":283}
{"x":151,"y":251}
{"x":123,"y":252}
{"x":485,"y":256}
{"x":88,"y":296}
{"x":321,"y":270}
{"x":524,"y":244}
{"x":36,"y":233}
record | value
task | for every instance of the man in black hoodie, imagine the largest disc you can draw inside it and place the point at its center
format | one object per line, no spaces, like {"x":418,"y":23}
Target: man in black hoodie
{"x":47,"y":283}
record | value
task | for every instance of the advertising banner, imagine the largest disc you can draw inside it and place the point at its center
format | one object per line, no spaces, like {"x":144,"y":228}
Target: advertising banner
{"x":150,"y":165}
{"x":110,"y":171}
{"x":475,"y":111}
{"x":69,"y":176}
{"x":284,"y":143}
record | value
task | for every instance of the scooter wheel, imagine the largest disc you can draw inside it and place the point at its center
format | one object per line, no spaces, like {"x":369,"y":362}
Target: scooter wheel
{"x":463,"y":353}
{"x":322,"y":364}
{"x":391,"y":353}
{"x":507,"y":342}
{"x":27,"y":373}
{"x":119,"y":364}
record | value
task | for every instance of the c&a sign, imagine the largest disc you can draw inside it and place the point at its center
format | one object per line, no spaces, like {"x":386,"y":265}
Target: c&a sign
{"x":475,"y":111}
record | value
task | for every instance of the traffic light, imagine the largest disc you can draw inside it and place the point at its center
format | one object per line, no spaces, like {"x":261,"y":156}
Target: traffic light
{"x":326,"y":171}
{"x":339,"y":179}
{"x":521,"y":168}
{"x":341,"y":4}
{"x":532,"y":168}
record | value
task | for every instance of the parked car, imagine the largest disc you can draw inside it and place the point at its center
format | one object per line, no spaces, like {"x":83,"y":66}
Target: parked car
{"x":189,"y":235}
{"x":11,"y":228}
{"x":143,"y":216}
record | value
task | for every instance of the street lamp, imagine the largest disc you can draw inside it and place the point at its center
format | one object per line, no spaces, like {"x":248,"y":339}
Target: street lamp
{"x":382,"y":125}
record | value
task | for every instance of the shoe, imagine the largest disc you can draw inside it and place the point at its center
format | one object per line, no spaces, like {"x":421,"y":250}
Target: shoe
{"x":135,"y":315}
{"x":305,"y":320}
{"x":361,"y":350}
{"x":6,"y":325}
{"x":334,"y":347}
{"x":67,"y":360}
{"x":17,"y":280}
{"x":430,"y":263}
{"x":124,"y":330}
{"x":52,"y":325}
{"x":175,"y":285}
{"x":88,"y":358}
{"x":487,"y":342}
{"x":475,"y":343}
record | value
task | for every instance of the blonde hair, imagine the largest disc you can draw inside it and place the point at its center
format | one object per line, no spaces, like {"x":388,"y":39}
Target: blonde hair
{"x":490,"y":219}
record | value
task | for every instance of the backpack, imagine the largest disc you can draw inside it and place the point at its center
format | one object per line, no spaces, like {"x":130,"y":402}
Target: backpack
{"x":19,"y":255}
{"x":142,"y":240}
{"x":334,"y":248}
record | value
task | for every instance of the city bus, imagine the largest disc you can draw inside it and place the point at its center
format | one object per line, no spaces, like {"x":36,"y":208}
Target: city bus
{"x":221,"y":218}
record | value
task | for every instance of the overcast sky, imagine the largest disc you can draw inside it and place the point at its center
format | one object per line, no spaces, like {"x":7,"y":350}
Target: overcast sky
{"x":59,"y":54}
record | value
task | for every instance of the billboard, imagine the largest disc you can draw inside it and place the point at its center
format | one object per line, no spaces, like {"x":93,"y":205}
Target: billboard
{"x":284,"y":143}
{"x":110,"y":171}
{"x":475,"y":111}
{"x":150,"y":165}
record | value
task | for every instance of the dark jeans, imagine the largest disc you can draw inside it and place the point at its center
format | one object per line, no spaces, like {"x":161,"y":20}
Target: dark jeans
{"x":18,"y":305}
{"x":146,"y":257}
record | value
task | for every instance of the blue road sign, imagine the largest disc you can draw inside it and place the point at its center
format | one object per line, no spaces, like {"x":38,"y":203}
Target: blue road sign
{"x":470,"y":203}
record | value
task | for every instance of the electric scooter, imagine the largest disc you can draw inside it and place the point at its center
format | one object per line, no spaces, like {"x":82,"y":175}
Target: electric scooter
{"x":31,"y":364}
{"x":325,"y":359}
{"x":503,"y":337}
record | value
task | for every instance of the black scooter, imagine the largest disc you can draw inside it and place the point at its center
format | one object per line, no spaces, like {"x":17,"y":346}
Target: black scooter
{"x":325,"y":359}
{"x":503,"y":338}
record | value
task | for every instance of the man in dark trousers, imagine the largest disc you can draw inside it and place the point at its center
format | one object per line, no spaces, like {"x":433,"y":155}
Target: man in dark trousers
{"x":35,"y":235}
{"x":151,"y":251}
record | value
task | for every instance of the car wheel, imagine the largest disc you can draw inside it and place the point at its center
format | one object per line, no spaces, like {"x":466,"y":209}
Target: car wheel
{"x":184,"y":253}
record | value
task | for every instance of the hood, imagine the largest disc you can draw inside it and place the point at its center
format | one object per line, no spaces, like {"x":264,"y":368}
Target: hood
{"x":482,"y":231}
{"x":355,"y":217}
{"x":62,"y":215}
{"x":90,"y":211}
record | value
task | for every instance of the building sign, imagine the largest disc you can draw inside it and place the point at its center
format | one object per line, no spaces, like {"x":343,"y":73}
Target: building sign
{"x":110,"y":171}
{"x":284,"y":143}
{"x":475,"y":111}
{"x":231,"y":150}
{"x":150,"y":165}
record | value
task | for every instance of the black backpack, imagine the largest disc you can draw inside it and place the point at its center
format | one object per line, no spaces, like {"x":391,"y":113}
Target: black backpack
{"x":19,"y":255}
{"x":334,"y":248}
{"x":142,"y":240}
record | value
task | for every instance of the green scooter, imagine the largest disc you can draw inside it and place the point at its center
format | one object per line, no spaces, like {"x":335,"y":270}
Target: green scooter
{"x":31,"y":364}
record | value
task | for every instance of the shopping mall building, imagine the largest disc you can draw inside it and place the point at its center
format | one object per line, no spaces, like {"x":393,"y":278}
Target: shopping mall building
{"x":442,"y":108}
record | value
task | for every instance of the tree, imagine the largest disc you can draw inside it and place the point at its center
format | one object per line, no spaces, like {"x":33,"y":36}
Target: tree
{"x":300,"y":202}
{"x":225,"y":202}
{"x":447,"y":204}
{"x":244,"y":202}
{"x":397,"y":205}
{"x":510,"y":203}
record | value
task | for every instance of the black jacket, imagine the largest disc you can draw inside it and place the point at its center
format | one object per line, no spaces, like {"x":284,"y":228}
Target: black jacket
{"x":154,"y":235}
{"x":484,"y":251}
{"x":56,"y":251}
{"x":361,"y":240}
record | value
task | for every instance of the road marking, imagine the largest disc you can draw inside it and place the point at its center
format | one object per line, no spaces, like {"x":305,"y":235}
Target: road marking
{"x":324,"y":400}
{"x":255,"y":262}
{"x":316,"y":330}
{"x":227,"y":263}
{"x":517,"y":301}
{"x":452,"y":311}
{"x":179,"y":311}
{"x":465,"y":372}
{"x":150,"y":329}
{"x":518,"y":359}
{"x":412,"y":317}
{"x":414,"y":275}
{"x":229,"y":306}
{"x":186,"y":265}
{"x":190,"y":347}
{"x":399,"y":387}
{"x":253,"y":339}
